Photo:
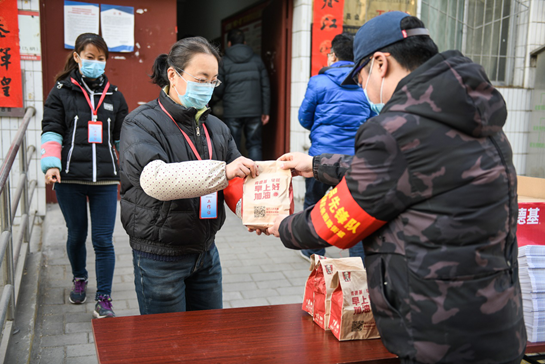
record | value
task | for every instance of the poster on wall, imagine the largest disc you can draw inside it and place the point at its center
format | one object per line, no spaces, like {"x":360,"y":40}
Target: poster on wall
{"x":29,"y":35}
{"x":357,"y":12}
{"x":11,"y":82}
{"x":117,"y":26}
{"x":79,"y":18}
{"x":327,"y":23}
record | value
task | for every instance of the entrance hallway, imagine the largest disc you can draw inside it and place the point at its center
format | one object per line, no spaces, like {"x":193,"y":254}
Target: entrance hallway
{"x":257,"y":271}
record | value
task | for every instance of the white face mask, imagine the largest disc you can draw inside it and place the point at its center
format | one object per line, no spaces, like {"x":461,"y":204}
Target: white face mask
{"x":376,"y":108}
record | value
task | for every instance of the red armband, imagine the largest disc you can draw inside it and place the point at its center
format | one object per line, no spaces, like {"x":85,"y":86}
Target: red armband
{"x":339,"y":220}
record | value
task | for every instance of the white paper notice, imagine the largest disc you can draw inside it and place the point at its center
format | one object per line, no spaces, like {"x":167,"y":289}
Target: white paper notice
{"x":79,"y":18}
{"x":29,"y":35}
{"x":117,"y":25}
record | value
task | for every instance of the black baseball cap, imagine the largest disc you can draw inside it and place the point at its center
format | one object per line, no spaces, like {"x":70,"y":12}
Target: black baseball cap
{"x":376,"y":34}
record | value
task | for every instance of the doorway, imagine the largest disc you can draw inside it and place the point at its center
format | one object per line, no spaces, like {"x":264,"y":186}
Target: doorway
{"x":273,"y":34}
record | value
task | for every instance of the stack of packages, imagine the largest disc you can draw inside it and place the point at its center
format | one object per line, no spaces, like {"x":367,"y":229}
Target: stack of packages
{"x":338,"y":291}
{"x":531,"y":257}
{"x":532,"y":281}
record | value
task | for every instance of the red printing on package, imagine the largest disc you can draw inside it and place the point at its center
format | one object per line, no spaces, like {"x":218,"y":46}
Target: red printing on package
{"x":308,"y":299}
{"x":319,"y":298}
{"x":339,"y":220}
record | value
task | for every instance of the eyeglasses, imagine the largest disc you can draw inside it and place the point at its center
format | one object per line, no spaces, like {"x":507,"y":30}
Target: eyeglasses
{"x":214,"y":83}
{"x":363,"y":63}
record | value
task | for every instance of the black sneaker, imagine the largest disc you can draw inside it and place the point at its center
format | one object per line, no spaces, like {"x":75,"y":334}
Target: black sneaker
{"x":103,"y":307}
{"x":78,"y":294}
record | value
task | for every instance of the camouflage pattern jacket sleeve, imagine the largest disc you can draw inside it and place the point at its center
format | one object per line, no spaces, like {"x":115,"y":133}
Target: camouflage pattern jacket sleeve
{"x":370,"y":180}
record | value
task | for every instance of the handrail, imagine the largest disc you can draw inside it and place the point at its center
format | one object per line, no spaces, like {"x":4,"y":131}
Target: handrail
{"x":8,"y":162}
{"x":13,"y":253}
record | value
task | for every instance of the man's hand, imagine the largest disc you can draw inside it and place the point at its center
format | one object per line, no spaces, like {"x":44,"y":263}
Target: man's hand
{"x":274,"y":229}
{"x":299,"y":163}
{"x":241,"y":167}
{"x":264,"y":119}
{"x":52,"y":175}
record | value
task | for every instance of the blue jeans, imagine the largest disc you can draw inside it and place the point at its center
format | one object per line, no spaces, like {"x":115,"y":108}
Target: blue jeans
{"x":253,"y":127}
{"x":357,"y":251}
{"x":189,"y":284}
{"x":315,"y":190}
{"x":102,"y":205}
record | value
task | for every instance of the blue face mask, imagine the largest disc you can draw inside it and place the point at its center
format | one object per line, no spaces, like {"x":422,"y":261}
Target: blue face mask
{"x":376,"y":108}
{"x":196,"y":95}
{"x":92,"y":69}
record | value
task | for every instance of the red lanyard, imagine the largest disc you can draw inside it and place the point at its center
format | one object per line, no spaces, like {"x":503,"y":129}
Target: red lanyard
{"x":89,"y":100}
{"x":187,"y":138}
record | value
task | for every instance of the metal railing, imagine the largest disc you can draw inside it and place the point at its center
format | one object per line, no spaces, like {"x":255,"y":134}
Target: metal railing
{"x":13,"y":251}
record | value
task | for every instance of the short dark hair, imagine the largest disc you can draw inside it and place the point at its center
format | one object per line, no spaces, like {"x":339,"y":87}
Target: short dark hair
{"x":413,"y":51}
{"x":179,"y":56}
{"x":343,"y":47}
{"x":235,"y":36}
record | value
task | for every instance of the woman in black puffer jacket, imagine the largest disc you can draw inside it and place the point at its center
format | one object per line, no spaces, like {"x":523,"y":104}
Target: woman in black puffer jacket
{"x":176,"y":159}
{"x":82,"y":122}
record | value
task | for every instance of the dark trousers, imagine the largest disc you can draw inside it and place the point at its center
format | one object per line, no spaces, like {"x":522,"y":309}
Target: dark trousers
{"x":102,"y":206}
{"x":253,"y":127}
{"x":315,"y":190}
{"x":191,"y":283}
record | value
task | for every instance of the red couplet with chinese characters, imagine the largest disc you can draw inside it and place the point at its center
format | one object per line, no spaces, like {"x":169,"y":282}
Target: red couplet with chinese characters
{"x":530,"y":224}
{"x":327,"y":23}
{"x":11,"y":82}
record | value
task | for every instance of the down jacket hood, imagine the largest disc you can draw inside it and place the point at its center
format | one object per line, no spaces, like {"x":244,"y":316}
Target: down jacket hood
{"x":337,"y":73}
{"x":479,"y":112}
{"x":239,"y":53}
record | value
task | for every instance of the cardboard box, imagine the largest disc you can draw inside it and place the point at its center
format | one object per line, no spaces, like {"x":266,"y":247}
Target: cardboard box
{"x":531,"y":201}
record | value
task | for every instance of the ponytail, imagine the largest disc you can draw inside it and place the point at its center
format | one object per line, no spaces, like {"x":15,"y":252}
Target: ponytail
{"x":159,"y":69}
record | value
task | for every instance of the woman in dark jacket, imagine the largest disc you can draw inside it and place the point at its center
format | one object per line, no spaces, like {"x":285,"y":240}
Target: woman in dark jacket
{"x":176,"y":159}
{"x":82,"y":122}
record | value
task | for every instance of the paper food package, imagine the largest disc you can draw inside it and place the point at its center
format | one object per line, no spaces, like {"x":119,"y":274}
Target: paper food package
{"x":268,"y":195}
{"x":324,"y":275}
{"x":351,"y":317}
{"x":310,"y":286}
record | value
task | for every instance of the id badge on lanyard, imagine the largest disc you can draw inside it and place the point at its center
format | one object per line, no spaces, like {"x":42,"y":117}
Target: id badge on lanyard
{"x":95,"y":132}
{"x":209,"y":203}
{"x":94,"y":127}
{"x":209,"y":206}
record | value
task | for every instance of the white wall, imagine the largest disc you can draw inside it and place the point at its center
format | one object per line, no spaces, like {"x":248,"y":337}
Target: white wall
{"x":300,"y":74}
{"x":32,"y":88}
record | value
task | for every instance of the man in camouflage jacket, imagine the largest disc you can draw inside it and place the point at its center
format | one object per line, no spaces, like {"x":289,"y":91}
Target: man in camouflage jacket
{"x":432,"y":190}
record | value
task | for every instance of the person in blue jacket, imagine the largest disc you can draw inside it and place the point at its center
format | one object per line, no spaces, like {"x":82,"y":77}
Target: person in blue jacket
{"x":333,"y":114}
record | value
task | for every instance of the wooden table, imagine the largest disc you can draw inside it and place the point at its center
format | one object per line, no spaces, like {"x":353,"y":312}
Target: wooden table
{"x":266,"y":334}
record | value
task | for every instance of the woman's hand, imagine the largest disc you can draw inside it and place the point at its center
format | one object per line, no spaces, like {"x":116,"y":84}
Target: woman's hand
{"x":299,"y":163}
{"x":241,"y":167}
{"x":52,"y":175}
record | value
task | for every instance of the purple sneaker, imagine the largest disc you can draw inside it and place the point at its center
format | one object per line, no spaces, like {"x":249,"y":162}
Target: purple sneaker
{"x":103,"y":307}
{"x":78,"y":294}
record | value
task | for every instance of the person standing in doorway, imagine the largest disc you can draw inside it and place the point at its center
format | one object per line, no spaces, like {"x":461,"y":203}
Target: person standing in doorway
{"x":82,"y":123}
{"x":333,"y":113}
{"x":245,"y":92}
